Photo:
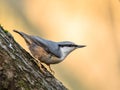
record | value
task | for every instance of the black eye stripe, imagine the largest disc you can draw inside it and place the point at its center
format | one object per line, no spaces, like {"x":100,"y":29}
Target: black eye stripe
{"x":71,"y":45}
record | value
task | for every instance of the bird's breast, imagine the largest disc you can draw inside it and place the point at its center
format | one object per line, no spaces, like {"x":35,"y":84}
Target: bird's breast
{"x":41,"y":54}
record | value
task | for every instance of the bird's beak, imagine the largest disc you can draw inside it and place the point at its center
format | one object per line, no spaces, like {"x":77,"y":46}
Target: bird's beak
{"x":81,"y":46}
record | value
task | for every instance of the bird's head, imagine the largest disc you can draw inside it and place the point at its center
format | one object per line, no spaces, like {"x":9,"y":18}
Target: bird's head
{"x":66,"y":47}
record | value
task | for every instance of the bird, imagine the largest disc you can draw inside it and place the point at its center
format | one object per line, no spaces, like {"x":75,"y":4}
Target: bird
{"x":47,"y":51}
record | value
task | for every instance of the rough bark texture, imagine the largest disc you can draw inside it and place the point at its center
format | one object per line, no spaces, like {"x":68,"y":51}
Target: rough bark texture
{"x":18,"y":71}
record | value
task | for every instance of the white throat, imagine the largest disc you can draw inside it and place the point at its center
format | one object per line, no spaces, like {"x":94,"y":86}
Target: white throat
{"x":65,"y":51}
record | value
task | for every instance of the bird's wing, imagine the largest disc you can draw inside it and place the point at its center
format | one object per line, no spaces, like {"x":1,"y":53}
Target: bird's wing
{"x":48,"y":45}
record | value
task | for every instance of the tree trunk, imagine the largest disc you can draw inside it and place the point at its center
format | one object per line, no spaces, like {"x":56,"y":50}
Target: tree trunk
{"x":18,"y":71}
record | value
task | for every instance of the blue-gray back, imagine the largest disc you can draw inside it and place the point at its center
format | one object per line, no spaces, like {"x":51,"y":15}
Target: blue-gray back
{"x":48,"y":45}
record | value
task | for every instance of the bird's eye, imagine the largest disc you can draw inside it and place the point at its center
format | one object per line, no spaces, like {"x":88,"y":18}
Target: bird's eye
{"x":61,"y":45}
{"x":70,"y":45}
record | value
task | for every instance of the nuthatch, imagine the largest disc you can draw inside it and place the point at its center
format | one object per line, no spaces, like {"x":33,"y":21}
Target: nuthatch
{"x":46,"y":51}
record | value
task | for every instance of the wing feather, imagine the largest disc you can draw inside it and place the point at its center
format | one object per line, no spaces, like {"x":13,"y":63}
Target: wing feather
{"x":48,"y":45}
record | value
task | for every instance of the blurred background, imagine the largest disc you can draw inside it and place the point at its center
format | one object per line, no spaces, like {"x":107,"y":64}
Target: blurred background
{"x":94,"y":23}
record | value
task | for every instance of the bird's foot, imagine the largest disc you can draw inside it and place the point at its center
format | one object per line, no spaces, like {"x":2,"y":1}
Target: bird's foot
{"x":40,"y":66}
{"x":52,"y":71}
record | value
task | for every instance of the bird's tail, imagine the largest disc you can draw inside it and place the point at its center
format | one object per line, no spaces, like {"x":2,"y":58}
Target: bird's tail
{"x":26,"y":37}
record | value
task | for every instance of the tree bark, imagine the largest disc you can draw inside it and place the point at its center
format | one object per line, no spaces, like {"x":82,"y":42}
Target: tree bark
{"x":18,"y":71}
